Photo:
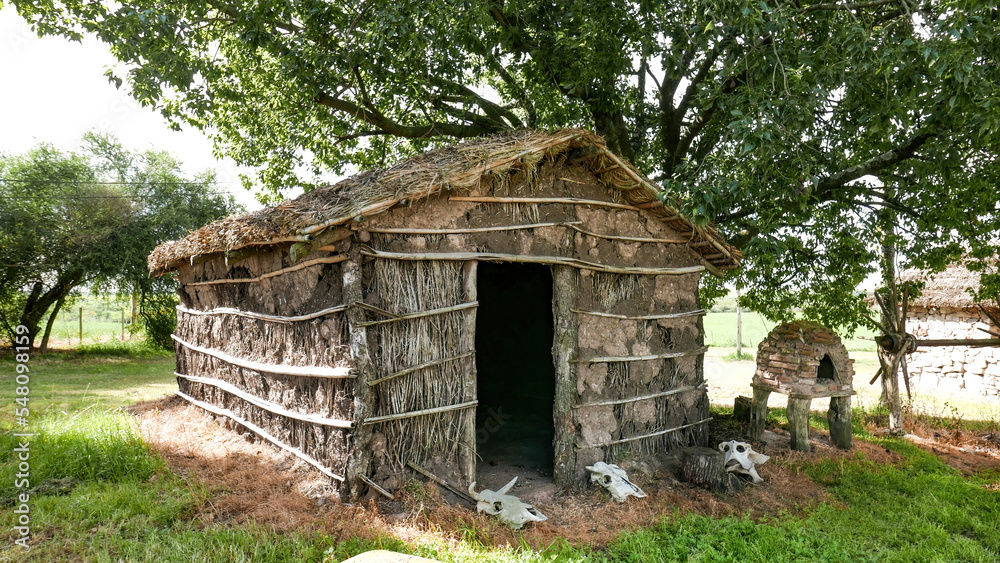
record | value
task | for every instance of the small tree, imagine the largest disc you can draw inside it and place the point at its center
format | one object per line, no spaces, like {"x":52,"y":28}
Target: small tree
{"x":90,"y":219}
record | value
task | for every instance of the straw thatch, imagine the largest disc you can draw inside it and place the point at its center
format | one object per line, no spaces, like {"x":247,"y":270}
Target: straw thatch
{"x":951,"y":288}
{"x":460,"y":168}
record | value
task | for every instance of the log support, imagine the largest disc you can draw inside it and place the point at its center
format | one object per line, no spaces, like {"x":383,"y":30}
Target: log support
{"x":839,"y":417}
{"x":758,"y":413}
{"x":798,"y":422}
{"x":358,"y":460}
{"x":467,"y":453}
{"x":565,"y":280}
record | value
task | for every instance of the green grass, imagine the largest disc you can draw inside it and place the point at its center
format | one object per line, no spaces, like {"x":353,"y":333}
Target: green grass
{"x":99,"y":377}
{"x":125,"y":505}
{"x":720,"y":332}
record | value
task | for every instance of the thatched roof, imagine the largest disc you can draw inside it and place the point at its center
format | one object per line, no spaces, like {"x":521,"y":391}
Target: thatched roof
{"x":949,"y":288}
{"x":462,"y":167}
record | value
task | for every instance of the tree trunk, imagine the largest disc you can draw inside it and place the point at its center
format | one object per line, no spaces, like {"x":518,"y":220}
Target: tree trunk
{"x":706,"y":468}
{"x":890,"y":378}
{"x":48,"y":325}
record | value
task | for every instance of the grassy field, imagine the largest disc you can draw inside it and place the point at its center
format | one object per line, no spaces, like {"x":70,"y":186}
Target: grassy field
{"x":720,"y":331}
{"x":103,"y":495}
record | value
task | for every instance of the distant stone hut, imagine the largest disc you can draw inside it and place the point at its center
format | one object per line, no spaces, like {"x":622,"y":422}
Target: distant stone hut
{"x":522,"y":298}
{"x":945,"y":310}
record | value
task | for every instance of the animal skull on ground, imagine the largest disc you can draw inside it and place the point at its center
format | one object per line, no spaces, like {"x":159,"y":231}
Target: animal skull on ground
{"x":614,"y":479}
{"x":507,"y":508}
{"x":740,"y":458}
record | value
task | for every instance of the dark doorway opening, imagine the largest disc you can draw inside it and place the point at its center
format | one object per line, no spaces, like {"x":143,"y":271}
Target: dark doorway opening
{"x":515,"y":373}
{"x":827,"y":371}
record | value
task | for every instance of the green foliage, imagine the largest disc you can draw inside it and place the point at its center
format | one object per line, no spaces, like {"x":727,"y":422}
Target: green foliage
{"x":90,"y":219}
{"x":790,"y":125}
{"x":159,"y":318}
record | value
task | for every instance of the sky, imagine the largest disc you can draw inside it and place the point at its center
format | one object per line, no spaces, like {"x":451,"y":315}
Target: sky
{"x":54,"y":90}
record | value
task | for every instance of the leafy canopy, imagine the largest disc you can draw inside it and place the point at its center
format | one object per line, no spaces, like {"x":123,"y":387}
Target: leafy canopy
{"x":790,"y":124}
{"x":90,"y":219}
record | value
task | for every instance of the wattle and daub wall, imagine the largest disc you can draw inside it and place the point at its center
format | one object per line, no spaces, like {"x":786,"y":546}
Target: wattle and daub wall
{"x":361,"y":356}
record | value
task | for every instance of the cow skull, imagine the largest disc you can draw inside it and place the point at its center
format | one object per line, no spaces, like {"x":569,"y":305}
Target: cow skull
{"x":740,"y":458}
{"x":507,"y":508}
{"x":614,"y":479}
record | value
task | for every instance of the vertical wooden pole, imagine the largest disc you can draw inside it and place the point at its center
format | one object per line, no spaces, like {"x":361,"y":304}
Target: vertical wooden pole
{"x":358,"y":459}
{"x":123,"y":324}
{"x":839,"y":417}
{"x":758,"y":413}
{"x":565,"y":280}
{"x":739,"y":328}
{"x":81,"y":325}
{"x":798,"y":422}
{"x":467,"y":452}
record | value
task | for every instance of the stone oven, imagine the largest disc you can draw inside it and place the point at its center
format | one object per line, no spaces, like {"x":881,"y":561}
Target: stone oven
{"x":804,"y":360}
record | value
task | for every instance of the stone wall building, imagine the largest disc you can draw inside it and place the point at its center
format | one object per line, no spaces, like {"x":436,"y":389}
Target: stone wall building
{"x":947,"y":310}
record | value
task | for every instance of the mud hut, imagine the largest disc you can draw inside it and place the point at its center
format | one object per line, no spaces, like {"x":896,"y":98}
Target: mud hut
{"x":947,"y":310}
{"x":523,"y":297}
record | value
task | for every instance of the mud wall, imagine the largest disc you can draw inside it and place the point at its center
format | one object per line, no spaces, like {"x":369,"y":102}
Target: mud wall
{"x":231,"y":335}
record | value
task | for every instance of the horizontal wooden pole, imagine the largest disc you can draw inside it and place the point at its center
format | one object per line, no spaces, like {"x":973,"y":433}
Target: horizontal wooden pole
{"x":372,"y":484}
{"x":677,"y":391}
{"x":261,"y":316}
{"x":403,"y":231}
{"x":422,"y":314}
{"x":269,"y":406}
{"x":262,"y":433}
{"x":423,"y":412}
{"x":608,"y":359}
{"x":697,"y":313}
{"x":300,"y":371}
{"x":970,"y":343}
{"x":419,"y":367}
{"x":566,"y":200}
{"x":627,"y":239}
{"x":650,"y":435}
{"x":306,"y":264}
{"x":528,"y":259}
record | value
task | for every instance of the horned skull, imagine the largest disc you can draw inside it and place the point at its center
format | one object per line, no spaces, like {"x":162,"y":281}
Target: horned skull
{"x":740,"y":458}
{"x":614,"y":479}
{"x":508,"y":508}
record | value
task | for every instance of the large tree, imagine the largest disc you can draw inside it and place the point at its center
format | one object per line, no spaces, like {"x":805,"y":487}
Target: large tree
{"x":90,"y":218}
{"x":792,"y":125}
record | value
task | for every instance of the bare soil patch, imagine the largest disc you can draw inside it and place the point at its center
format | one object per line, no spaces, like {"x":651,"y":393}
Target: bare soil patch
{"x":242,"y":479}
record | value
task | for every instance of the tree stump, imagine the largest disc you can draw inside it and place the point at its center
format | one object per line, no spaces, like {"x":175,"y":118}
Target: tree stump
{"x":839,"y":417}
{"x":741,"y":409}
{"x":758,"y":414}
{"x":798,"y":422}
{"x":705,"y":467}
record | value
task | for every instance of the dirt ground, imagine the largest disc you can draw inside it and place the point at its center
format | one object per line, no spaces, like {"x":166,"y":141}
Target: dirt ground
{"x":243,"y":479}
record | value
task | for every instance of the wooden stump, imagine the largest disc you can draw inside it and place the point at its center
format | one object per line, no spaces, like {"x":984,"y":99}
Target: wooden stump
{"x":798,"y":422}
{"x":758,"y":414}
{"x":741,"y":409}
{"x":839,"y":417}
{"x":705,"y":467}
